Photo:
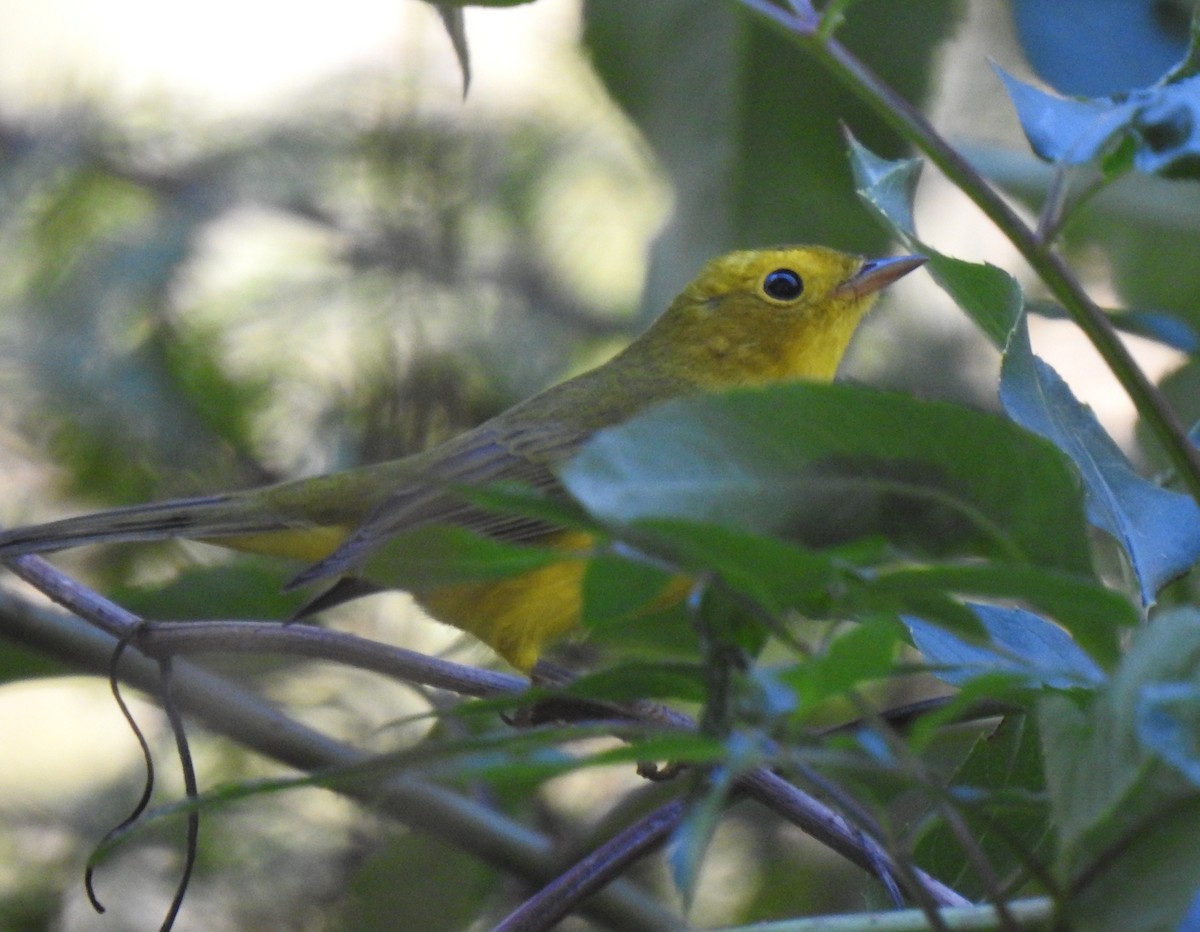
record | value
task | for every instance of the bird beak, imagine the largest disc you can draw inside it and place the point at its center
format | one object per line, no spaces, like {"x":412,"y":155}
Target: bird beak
{"x":875,"y":274}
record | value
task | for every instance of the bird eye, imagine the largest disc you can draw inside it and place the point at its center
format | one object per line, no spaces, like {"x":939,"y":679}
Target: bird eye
{"x":783,"y":285}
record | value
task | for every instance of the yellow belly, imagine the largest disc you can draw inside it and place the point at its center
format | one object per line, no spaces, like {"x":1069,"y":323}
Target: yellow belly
{"x":305,"y":544}
{"x":517,"y":617}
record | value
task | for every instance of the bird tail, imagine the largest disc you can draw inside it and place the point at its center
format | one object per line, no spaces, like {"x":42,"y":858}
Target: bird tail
{"x":214,"y":516}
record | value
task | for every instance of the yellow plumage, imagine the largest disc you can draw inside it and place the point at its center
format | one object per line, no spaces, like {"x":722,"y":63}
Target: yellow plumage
{"x":749,"y":318}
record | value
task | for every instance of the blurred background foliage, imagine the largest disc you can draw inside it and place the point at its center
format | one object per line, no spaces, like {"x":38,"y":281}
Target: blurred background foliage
{"x":193,"y":301}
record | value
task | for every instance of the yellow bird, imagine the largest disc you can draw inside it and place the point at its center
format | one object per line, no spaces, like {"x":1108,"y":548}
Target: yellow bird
{"x":749,"y":318}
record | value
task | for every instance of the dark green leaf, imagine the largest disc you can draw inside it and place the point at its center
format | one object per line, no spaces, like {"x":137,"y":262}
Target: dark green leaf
{"x":827,"y":463}
{"x":682,"y":681}
{"x":1191,"y":62}
{"x":617,"y":589}
{"x":441,"y":555}
{"x":19,"y":663}
{"x":930,"y":602}
{"x":453,"y":890}
{"x":517,"y":499}
{"x":456,"y":29}
{"x":1106,"y":783}
{"x":989,"y":295}
{"x":858,"y":654}
{"x":777,"y":574}
{"x":1151,"y":882}
{"x":998,"y":785}
{"x":241,"y":590}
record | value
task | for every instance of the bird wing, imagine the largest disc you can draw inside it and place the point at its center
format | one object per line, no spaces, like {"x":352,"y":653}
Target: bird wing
{"x":496,"y":451}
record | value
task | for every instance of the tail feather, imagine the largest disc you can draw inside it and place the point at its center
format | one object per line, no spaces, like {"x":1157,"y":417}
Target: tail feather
{"x":193,"y":518}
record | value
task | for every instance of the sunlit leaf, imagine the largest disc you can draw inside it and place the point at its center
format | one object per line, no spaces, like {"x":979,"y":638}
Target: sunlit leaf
{"x":1094,"y":615}
{"x":1158,"y":529}
{"x":1021,"y":642}
{"x":1101,"y":46}
{"x":1168,"y":723}
{"x":989,"y":295}
{"x":1163,"y":122}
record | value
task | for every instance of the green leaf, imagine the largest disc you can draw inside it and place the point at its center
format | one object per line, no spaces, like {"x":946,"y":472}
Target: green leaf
{"x":1040,"y":653}
{"x":1163,"y":122}
{"x":1158,"y":529}
{"x":1065,"y":130}
{"x":441,"y":555}
{"x":1107,"y":784}
{"x":887,"y":185}
{"x":19,"y":663}
{"x":1166,"y":329}
{"x":1092,"y":614}
{"x":827,"y":463}
{"x":691,"y":839}
{"x":518,"y":499}
{"x":998,"y":787}
{"x":778,"y":575}
{"x":1101,"y":46}
{"x":1168,"y":723}
{"x":858,"y":654}
{"x":1151,"y":882}
{"x":989,"y":295}
{"x":451,"y":12}
{"x":1190,"y":64}
{"x":456,"y":29}
{"x":241,"y":590}
{"x":629,"y":681}
{"x":617,"y":589}
{"x":454,"y":888}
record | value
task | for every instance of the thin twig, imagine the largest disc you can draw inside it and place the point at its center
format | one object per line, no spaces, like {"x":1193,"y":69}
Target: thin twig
{"x":77,"y":598}
{"x":190,"y":788}
{"x":562,"y":895}
{"x":301,"y":640}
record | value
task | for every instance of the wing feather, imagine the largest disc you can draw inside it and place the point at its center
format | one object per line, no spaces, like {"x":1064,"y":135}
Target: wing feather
{"x":493,"y":452}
